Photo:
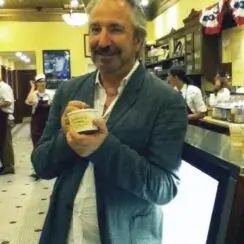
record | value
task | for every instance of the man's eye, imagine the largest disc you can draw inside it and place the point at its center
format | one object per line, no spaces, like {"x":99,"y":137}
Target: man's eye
{"x":94,"y":30}
{"x":116,"y":30}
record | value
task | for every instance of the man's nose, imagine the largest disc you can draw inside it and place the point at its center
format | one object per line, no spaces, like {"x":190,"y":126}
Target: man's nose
{"x":104,"y":39}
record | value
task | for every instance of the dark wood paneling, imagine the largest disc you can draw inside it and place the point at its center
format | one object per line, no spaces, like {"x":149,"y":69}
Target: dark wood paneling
{"x":235,"y":233}
{"x":211,"y":55}
{"x":22,"y":88}
{"x":4,"y":73}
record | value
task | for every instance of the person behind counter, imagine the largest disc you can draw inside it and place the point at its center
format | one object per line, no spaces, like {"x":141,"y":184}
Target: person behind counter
{"x":40,"y":99}
{"x":192,"y":94}
{"x":222,"y":93}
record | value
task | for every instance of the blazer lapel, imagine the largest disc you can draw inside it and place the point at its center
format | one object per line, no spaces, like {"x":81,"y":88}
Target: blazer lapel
{"x":85,"y":92}
{"x":128,"y":97}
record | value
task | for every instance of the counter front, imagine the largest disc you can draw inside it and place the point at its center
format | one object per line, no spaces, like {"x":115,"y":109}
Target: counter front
{"x":207,"y":208}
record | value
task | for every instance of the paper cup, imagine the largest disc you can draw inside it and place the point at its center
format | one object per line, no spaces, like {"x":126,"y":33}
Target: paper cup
{"x":82,"y":120}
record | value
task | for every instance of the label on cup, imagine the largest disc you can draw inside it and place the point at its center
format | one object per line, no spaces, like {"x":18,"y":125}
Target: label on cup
{"x":82,"y":120}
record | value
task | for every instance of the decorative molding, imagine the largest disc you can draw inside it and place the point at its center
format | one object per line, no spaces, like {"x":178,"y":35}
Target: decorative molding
{"x":193,"y":14}
{"x":33,"y":15}
{"x":172,"y":31}
{"x":163,"y":5}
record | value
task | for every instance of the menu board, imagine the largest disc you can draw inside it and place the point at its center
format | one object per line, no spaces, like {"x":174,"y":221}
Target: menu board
{"x":233,"y":51}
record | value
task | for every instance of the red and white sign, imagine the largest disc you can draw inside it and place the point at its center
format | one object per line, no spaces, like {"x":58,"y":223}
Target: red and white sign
{"x":211,"y":18}
{"x":237,"y":7}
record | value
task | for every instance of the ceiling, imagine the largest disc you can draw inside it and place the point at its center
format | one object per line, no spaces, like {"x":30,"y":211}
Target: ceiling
{"x":12,"y":57}
{"x":36,"y":10}
{"x":51,"y":10}
{"x":13,"y":4}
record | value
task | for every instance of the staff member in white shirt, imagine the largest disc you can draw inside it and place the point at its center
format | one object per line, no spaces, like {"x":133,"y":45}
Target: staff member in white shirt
{"x":222,"y":93}
{"x":40,"y":99}
{"x":6,"y":112}
{"x":192,"y":94}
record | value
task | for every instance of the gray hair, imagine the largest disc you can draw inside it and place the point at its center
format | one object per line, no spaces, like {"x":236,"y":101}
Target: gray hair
{"x":138,"y":18}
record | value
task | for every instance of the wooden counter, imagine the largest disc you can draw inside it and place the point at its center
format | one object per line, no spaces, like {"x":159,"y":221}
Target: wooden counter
{"x":214,"y":125}
{"x":217,"y":122}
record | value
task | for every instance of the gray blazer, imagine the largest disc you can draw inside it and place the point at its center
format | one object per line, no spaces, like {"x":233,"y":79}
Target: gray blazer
{"x":135,"y":168}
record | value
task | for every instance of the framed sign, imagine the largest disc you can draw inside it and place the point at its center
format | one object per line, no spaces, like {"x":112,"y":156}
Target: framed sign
{"x":87,"y":52}
{"x":56,"y":67}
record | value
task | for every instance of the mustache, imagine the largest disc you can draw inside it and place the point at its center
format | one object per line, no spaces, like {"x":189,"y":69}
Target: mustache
{"x":106,"y":51}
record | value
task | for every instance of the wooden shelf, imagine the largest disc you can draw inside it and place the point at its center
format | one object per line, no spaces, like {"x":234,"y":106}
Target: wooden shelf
{"x":161,"y":62}
{"x":201,"y":51}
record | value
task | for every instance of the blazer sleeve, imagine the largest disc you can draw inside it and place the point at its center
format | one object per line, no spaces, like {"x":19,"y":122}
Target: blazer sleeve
{"x":153,"y":177}
{"x":52,"y":153}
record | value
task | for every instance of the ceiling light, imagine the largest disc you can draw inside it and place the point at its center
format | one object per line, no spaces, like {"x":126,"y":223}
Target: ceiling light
{"x":18,"y":54}
{"x":144,"y":3}
{"x":23,"y":57}
{"x":2,"y":2}
{"x":75,"y":19}
{"x":74,"y":3}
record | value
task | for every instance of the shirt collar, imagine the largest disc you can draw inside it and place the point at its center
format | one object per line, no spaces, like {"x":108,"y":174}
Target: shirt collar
{"x":183,"y":89}
{"x":125,"y":79}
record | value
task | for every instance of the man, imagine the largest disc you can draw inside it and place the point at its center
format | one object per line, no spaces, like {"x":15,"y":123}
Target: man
{"x":6,"y":115}
{"x":109,"y":183}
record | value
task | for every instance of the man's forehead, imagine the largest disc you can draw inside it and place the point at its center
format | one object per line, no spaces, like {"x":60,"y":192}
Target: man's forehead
{"x":121,"y":3}
{"x":119,"y":7}
{"x":111,"y":13}
{"x":107,"y":22}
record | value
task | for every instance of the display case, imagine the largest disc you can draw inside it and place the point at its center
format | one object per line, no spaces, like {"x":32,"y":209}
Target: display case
{"x":198,"y":53}
{"x":208,"y":208}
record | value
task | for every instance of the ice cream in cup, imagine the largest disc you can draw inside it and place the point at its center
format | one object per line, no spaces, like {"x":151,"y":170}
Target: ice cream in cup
{"x":81,"y":120}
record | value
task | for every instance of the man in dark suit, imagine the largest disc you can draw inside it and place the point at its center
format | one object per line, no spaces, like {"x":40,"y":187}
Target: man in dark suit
{"x":110,"y":183}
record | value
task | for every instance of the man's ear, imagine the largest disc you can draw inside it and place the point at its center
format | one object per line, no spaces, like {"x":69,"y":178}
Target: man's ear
{"x":138,"y":42}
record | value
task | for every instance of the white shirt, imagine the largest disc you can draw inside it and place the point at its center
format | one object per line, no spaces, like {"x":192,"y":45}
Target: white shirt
{"x":7,"y":95}
{"x":193,"y":97}
{"x":84,"y":226}
{"x":46,"y":96}
{"x":222,"y":95}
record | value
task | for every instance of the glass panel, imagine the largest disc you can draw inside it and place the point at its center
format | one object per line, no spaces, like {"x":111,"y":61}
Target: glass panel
{"x":189,"y":53}
{"x":197,"y":52}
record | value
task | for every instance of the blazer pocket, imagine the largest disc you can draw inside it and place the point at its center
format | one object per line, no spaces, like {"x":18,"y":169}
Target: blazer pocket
{"x":136,"y":138}
{"x":141,"y":229}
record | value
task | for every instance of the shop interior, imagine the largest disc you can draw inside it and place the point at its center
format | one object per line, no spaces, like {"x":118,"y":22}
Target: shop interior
{"x":209,"y":206}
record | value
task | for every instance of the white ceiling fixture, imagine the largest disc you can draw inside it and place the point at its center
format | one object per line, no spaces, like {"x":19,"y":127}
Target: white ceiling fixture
{"x":26,"y":59}
{"x":144,"y":3}
{"x":74,"y":18}
{"x":74,"y":3}
{"x":2,"y":2}
{"x":23,"y":57}
{"x":18,"y":54}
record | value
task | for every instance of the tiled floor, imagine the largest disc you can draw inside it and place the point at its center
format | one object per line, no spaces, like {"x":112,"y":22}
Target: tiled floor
{"x":23,"y":202}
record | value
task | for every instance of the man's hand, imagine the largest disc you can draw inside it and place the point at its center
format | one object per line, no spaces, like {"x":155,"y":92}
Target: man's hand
{"x":72,"y":106}
{"x":84,"y":145}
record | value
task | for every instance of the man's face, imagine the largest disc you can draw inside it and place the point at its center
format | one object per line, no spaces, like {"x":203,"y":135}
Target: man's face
{"x":112,"y":41}
{"x":41,"y":85}
{"x":217,"y":84}
{"x":172,"y":80}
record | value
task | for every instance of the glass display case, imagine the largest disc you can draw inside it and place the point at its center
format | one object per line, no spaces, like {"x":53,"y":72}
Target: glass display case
{"x":207,"y":207}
